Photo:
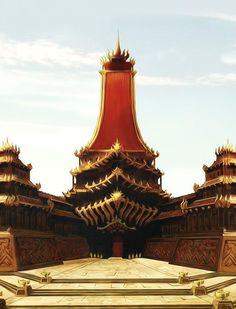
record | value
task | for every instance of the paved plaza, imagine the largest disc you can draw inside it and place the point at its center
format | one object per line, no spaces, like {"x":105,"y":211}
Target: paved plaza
{"x":115,"y":283}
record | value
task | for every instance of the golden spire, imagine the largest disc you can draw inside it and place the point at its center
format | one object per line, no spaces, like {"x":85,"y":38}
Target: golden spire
{"x":118,"y":50}
{"x":125,"y":62}
{"x":8,"y":146}
{"x":228,"y":148}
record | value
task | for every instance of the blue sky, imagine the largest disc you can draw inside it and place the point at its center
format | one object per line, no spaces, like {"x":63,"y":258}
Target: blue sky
{"x":185,"y":55}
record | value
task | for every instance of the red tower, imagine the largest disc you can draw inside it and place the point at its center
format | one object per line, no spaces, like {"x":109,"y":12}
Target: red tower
{"x":116,"y":188}
{"x":117,"y":120}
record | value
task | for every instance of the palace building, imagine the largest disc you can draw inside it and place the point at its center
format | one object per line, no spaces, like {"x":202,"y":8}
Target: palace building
{"x":116,"y":206}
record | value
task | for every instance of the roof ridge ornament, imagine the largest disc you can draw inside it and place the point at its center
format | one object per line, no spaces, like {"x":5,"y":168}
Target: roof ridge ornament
{"x":118,"y":59}
{"x":224,"y":149}
{"x":8,"y":146}
{"x":116,"y":146}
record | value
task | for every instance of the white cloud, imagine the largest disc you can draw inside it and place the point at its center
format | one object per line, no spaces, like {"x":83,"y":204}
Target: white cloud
{"x":160,"y":81}
{"x":222,"y":16}
{"x":58,"y":91}
{"x":214,"y":15}
{"x":212,"y":79}
{"x":229,"y":58}
{"x":44,"y":52}
{"x":217,"y":79}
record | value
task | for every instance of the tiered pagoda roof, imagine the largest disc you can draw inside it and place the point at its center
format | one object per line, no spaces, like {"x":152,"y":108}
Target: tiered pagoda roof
{"x":117,"y":186}
{"x":220,"y":182}
{"x":17,"y":189}
{"x":15,"y":180}
{"x":218,"y":190}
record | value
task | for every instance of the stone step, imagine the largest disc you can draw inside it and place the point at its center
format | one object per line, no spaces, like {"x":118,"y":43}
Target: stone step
{"x":220,"y":285}
{"x":167,"y":306}
{"x":109,"y":292}
{"x":115,"y":280}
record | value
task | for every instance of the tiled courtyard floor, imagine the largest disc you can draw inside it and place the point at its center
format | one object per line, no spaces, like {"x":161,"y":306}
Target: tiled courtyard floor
{"x":97,"y":292}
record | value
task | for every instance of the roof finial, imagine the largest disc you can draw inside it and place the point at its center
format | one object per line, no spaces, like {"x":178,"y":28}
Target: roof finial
{"x":118,"y":50}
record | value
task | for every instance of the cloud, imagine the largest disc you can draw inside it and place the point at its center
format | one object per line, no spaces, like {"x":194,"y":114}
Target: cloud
{"x":57,"y":91}
{"x":229,"y":58}
{"x":217,"y":79}
{"x":44,"y":75}
{"x":160,"y":81}
{"x":212,"y":79}
{"x":222,"y":16}
{"x":214,"y":15}
{"x":44,"y":53}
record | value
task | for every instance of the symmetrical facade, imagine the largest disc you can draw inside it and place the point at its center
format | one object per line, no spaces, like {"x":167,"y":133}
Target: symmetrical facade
{"x":116,"y":206}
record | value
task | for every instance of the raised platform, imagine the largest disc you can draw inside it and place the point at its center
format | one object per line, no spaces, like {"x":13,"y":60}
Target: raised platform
{"x":26,"y":249}
{"x":112,"y":283}
{"x":216,"y":253}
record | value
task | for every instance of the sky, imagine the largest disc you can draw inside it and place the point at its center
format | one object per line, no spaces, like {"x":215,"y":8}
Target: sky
{"x":185,"y":54}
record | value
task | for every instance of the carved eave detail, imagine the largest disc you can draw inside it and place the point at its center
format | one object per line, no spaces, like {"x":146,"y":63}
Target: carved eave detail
{"x":15,"y":178}
{"x":218,"y":180}
{"x":225,"y":201}
{"x":115,"y":150}
{"x":19,"y":200}
{"x":225,"y":156}
{"x":117,"y":173}
{"x":116,"y":225}
{"x":117,"y":206}
{"x":12,"y":158}
{"x":184,"y":205}
{"x":218,"y":201}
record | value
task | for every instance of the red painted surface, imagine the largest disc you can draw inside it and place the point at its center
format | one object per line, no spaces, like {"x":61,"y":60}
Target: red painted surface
{"x":117,"y":246}
{"x":117,"y":121}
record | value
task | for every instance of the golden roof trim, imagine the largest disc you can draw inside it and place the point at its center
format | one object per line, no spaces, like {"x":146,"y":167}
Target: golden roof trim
{"x":122,"y":205}
{"x":9,"y":200}
{"x":9,"y":147}
{"x":219,"y":201}
{"x":225,"y":201}
{"x":15,"y":178}
{"x":100,"y":161}
{"x":116,"y":173}
{"x":224,"y":149}
{"x":225,"y":161}
{"x":117,"y":222}
{"x":139,"y":165}
{"x":220,"y":179}
{"x":9,"y":158}
{"x":16,"y":200}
